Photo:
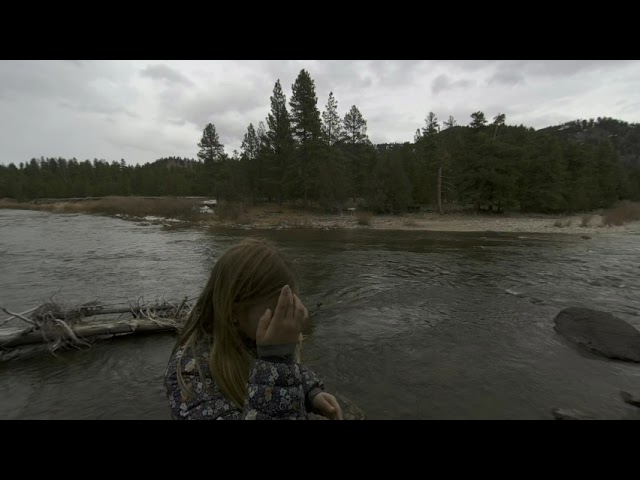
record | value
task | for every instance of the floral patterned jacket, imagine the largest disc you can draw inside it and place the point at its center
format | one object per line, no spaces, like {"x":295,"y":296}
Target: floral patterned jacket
{"x":278,"y":388}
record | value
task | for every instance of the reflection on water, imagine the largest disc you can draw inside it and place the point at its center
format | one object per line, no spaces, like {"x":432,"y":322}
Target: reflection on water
{"x":411,"y":324}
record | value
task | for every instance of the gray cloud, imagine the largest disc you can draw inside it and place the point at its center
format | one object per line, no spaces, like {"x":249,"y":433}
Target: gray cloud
{"x":178,"y":122}
{"x":205,"y":107}
{"x":395,"y":72}
{"x":93,"y":88}
{"x":141,"y":111}
{"x":163,"y":72}
{"x":631,"y":108}
{"x":119,"y":141}
{"x":564,"y":67}
{"x":511,"y":70}
{"x":340,"y":76}
{"x":94,"y":107}
{"x":463,"y":66}
{"x":506,"y":77}
{"x":443,"y":82}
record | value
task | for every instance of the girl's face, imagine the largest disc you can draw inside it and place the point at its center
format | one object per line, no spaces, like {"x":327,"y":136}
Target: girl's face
{"x":249,"y":316}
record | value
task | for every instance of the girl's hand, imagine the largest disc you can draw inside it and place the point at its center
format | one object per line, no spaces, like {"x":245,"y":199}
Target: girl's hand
{"x":327,"y":405}
{"x":285,"y":324}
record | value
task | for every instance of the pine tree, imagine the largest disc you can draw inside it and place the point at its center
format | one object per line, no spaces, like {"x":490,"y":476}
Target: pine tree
{"x":451,"y":122}
{"x":305,"y":117}
{"x":211,"y":150}
{"x":279,"y":142}
{"x":355,"y":127}
{"x":261,"y":134}
{"x":307,"y":130}
{"x":250,"y":144}
{"x":332,"y":125}
{"x":432,"y":126}
{"x":279,"y":133}
{"x":543,"y":173}
{"x":389,"y":186}
{"x":498,"y":121}
{"x":478,"y":120}
{"x":252,"y":166}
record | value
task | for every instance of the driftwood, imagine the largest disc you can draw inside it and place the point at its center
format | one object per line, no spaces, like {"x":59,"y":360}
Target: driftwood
{"x":88,"y":331}
{"x":60,"y":326}
{"x":135,"y":311}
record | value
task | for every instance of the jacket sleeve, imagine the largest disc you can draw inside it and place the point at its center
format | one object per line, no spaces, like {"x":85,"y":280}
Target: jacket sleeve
{"x":312,"y":385}
{"x":274,"y":392}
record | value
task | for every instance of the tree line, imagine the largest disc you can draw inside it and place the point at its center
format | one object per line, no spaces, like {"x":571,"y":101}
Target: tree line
{"x":299,"y":155}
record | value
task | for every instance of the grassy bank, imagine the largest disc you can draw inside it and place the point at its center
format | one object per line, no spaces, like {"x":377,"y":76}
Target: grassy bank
{"x":623,"y":218}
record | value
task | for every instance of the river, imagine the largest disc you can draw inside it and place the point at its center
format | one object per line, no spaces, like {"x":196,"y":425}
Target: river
{"x":413,"y":324}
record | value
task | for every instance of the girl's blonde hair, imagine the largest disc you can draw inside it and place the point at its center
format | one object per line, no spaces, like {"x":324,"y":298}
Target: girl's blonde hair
{"x":248,"y":272}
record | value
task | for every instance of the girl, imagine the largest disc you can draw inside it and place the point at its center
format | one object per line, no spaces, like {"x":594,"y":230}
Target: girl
{"x":238,"y":356}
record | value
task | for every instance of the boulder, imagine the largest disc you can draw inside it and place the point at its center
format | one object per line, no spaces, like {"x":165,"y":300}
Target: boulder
{"x":600,"y":333}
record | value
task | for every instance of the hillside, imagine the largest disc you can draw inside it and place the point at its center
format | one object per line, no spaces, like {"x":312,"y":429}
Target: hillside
{"x":625,"y":137}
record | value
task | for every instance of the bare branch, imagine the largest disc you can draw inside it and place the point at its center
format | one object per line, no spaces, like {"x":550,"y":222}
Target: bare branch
{"x":70,"y":332}
{"x":53,"y":295}
{"x":20,"y":316}
{"x":8,"y":319}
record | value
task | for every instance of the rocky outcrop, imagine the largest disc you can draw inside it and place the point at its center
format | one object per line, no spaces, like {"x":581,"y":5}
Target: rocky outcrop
{"x":600,"y":333}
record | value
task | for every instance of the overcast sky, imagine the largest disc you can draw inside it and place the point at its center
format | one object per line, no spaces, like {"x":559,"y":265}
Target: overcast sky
{"x":144,"y":110}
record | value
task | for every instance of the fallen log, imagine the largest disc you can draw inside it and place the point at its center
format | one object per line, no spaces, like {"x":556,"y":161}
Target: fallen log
{"x":137,"y":311}
{"x":91,"y":331}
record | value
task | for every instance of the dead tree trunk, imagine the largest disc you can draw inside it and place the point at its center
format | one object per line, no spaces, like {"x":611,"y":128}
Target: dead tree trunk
{"x":440,"y":190}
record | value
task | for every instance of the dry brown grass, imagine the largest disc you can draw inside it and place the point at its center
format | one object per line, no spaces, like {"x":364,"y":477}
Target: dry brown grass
{"x":229,"y":211}
{"x":410,"y":222}
{"x":364,"y":217}
{"x":562,"y":223}
{"x":624,"y":213}
{"x":585,"y":221}
{"x":168,"y":207}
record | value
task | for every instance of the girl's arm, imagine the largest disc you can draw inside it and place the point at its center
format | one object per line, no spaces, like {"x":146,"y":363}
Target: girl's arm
{"x":275,"y":390}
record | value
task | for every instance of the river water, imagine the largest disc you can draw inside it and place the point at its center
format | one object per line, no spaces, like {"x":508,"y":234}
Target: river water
{"x":413,"y":325}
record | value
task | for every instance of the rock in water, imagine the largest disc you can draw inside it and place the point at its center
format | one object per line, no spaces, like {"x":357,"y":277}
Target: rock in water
{"x":600,"y":333}
{"x":570,"y":414}
{"x":630,"y":399}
